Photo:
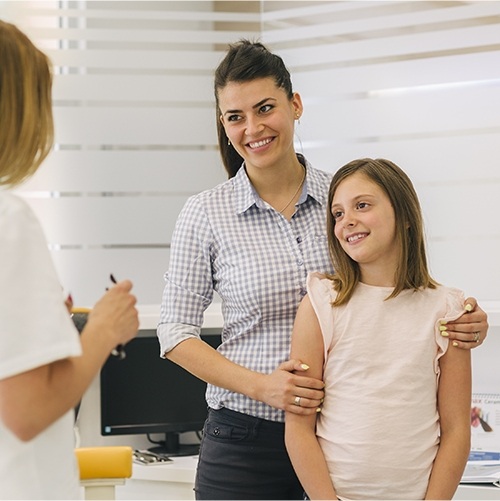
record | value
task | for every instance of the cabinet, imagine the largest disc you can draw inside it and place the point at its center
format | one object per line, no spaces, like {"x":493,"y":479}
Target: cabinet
{"x":176,"y":481}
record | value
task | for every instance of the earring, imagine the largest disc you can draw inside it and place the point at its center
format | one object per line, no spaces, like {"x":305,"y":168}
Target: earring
{"x":228,"y":142}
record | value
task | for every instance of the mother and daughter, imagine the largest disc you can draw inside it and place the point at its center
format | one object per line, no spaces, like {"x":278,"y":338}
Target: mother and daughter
{"x":256,"y":240}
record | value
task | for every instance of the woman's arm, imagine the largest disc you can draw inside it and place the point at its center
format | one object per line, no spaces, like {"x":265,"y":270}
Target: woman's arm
{"x":33,"y":400}
{"x":277,"y":389}
{"x":454,"y":398}
{"x":300,"y":431}
{"x":463,"y":331}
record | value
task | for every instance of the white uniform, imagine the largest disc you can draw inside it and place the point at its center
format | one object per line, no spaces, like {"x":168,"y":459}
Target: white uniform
{"x":35,"y":329}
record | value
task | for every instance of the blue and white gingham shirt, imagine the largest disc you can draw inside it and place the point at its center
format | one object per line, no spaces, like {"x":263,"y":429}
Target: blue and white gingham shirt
{"x":229,"y":240}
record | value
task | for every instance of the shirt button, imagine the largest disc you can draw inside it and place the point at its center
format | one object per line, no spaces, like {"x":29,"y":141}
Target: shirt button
{"x":216,"y":431}
{"x":299,"y":240}
{"x":300,"y":262}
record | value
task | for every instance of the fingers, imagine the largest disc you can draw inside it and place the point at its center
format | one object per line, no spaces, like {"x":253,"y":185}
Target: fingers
{"x":68,"y":302}
{"x":470,"y":304}
{"x":293,"y":365}
{"x":470,"y":330}
{"x":116,"y":312}
{"x":304,"y":406}
{"x":125,"y":285}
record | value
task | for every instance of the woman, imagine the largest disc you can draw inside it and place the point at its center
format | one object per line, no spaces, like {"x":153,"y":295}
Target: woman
{"x":253,"y":240}
{"x":44,"y":366}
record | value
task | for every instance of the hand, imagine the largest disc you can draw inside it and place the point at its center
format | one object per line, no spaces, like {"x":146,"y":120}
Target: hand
{"x":470,"y":330}
{"x":282,"y":387}
{"x":68,"y":302}
{"x":115,"y":313}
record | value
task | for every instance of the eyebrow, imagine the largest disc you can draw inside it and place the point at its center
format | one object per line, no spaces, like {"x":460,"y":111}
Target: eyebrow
{"x":356,"y":199}
{"x":257,"y":105}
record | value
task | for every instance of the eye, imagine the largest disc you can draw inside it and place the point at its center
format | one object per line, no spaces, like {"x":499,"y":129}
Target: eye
{"x":362,"y":205}
{"x":266,"y":108}
{"x":233,"y":118}
{"x":337,"y":214}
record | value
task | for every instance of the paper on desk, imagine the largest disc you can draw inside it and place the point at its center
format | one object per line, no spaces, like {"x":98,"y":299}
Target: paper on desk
{"x":481,"y":472}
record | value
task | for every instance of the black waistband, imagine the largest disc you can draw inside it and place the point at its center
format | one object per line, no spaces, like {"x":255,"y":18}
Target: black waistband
{"x":246,"y":419}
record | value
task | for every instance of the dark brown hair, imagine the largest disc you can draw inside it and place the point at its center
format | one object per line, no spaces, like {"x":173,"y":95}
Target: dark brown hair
{"x":245,"y":61}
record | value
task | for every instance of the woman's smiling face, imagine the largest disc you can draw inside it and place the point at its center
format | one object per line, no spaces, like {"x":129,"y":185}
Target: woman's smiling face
{"x":259,"y":120}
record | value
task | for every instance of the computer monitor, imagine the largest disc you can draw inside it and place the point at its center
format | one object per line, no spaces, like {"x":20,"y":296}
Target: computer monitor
{"x":145,"y":394}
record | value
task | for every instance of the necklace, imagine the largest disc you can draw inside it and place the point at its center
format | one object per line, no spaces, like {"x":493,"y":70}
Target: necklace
{"x":296,"y":191}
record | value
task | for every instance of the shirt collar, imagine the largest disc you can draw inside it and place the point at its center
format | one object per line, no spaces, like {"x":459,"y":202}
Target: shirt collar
{"x":246,"y":196}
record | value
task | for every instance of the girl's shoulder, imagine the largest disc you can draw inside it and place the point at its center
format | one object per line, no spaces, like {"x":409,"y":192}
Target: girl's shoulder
{"x":319,"y":282}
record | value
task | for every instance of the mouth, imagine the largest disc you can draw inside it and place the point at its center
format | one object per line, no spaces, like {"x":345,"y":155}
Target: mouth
{"x":260,"y":144}
{"x":356,"y":237}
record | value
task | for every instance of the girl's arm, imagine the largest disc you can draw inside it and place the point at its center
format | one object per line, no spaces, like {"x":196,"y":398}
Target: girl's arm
{"x":454,"y":398}
{"x":300,"y":431}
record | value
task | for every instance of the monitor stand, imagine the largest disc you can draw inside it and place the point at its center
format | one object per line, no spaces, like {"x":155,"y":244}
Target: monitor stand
{"x":171,"y":447}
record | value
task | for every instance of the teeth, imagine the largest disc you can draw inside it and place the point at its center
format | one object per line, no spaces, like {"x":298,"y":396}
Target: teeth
{"x":258,"y":144}
{"x":355,"y":237}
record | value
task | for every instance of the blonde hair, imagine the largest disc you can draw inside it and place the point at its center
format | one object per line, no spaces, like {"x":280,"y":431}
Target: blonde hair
{"x":27,"y":127}
{"x":412,"y":271}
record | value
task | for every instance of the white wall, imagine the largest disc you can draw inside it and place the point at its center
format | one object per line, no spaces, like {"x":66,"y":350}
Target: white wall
{"x":418,"y":83}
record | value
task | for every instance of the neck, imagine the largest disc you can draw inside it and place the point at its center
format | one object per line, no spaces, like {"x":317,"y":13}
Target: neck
{"x":276,"y":181}
{"x":378,"y":276}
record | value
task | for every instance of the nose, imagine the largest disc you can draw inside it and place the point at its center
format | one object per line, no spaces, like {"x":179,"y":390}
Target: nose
{"x":349,"y":219}
{"x":254,"y":125}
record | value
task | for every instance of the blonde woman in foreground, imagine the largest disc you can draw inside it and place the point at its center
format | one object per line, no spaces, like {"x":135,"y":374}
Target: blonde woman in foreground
{"x":44,"y":366}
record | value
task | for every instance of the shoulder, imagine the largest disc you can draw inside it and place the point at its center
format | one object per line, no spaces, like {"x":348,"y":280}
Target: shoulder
{"x":318,"y":183}
{"x":448,"y":302}
{"x":12,"y":205}
{"x":212,"y":195}
{"x":455,"y":299}
{"x":16,"y":215}
{"x":319,"y":285}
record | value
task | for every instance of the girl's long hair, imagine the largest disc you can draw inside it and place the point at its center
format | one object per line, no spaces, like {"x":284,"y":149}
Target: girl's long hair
{"x":412,"y":271}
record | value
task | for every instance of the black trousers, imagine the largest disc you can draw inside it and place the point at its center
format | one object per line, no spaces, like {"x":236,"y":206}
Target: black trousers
{"x":243,"y":457}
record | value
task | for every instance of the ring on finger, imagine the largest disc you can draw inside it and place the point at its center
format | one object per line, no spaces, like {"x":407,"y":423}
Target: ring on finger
{"x":297,"y":401}
{"x":477,"y":336}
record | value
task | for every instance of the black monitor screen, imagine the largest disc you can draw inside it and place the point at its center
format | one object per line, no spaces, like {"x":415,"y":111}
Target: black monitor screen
{"x":145,"y":394}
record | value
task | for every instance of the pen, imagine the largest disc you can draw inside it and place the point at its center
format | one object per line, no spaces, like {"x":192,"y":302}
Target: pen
{"x":119,"y":351}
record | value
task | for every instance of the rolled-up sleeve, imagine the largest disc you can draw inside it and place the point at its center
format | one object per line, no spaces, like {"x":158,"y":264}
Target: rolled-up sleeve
{"x":188,"y":283}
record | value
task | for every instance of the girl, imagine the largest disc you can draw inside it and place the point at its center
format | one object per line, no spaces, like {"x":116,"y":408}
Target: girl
{"x":395,"y":423}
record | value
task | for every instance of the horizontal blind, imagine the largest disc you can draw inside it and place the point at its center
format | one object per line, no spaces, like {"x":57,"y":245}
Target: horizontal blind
{"x":418,"y":83}
{"x":135,"y":130}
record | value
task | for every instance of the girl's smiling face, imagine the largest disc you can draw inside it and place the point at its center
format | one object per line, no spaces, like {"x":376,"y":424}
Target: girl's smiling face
{"x":365,"y":226}
{"x":259,"y":121}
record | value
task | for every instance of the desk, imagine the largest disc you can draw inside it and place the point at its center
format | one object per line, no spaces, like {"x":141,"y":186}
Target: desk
{"x":174,"y":480}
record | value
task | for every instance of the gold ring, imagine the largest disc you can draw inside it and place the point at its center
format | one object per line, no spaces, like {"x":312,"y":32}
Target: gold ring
{"x":476,"y":337}
{"x":297,"y":401}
